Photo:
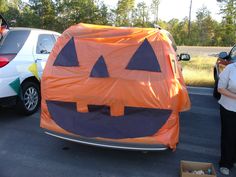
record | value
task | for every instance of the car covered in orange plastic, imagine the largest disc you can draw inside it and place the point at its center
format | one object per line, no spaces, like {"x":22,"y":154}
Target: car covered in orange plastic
{"x":114,"y":87}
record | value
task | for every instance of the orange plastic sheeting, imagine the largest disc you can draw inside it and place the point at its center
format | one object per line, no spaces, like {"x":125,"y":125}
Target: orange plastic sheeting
{"x":118,"y":68}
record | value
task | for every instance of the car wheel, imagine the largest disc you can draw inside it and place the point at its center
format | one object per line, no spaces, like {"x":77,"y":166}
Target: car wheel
{"x":216,"y":94}
{"x":29,"y":100}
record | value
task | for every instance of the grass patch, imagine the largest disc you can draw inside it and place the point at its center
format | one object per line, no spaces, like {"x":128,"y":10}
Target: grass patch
{"x":199,"y":71}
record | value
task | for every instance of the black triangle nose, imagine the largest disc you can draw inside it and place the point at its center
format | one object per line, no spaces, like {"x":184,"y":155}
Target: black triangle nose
{"x":100,"y":69}
{"x":144,"y":59}
{"x":67,"y":56}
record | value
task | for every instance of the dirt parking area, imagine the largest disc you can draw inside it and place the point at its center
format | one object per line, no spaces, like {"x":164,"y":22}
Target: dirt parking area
{"x":202,"y":51}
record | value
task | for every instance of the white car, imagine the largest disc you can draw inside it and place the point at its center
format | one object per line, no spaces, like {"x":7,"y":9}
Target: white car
{"x":23,"y":55}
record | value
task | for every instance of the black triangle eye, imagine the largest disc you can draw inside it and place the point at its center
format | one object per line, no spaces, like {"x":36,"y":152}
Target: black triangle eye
{"x":144,"y":59}
{"x":67,"y":56}
{"x":100,"y":69}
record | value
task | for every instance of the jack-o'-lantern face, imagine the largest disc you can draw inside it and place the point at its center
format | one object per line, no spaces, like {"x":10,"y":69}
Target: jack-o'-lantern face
{"x":95,"y":87}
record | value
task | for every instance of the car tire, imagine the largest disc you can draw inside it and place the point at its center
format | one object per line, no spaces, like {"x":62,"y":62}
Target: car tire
{"x":29,"y":100}
{"x":216,"y":94}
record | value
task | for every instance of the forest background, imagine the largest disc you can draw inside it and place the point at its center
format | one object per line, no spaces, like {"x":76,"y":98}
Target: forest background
{"x":60,"y":14}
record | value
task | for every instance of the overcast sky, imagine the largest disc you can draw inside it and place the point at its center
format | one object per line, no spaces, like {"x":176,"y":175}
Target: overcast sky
{"x":169,"y":9}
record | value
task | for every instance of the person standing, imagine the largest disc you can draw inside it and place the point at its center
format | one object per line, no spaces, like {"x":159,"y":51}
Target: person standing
{"x":227,"y":89}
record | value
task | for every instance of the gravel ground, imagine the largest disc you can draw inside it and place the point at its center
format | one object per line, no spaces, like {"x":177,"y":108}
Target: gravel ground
{"x":202,"y":51}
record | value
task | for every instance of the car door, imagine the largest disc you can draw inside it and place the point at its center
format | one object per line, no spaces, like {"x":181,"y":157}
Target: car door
{"x":232,"y":55}
{"x":44,"y":46}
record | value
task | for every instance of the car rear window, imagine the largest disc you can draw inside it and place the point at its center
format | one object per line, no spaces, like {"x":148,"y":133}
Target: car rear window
{"x":13,"y":41}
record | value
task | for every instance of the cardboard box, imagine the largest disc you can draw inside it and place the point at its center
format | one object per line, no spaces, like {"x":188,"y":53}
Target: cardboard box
{"x":187,"y":168}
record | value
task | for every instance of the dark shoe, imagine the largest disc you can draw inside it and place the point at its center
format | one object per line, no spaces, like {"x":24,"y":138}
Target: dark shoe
{"x":224,"y":171}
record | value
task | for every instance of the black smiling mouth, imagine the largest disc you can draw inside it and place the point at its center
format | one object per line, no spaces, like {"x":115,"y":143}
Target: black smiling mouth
{"x":137,"y":122}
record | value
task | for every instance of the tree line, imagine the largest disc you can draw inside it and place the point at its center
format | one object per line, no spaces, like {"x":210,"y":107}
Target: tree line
{"x":60,"y":14}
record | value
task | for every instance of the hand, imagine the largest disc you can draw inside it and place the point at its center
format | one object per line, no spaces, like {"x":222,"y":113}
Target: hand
{"x":227,"y":93}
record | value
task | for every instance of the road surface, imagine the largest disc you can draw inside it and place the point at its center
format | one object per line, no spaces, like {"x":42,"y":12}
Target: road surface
{"x":25,"y":151}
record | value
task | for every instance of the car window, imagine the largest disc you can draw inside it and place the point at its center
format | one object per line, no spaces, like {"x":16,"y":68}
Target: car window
{"x":13,"y":41}
{"x":233,"y":54}
{"x":45,"y":43}
{"x":56,"y":36}
{"x":172,"y":41}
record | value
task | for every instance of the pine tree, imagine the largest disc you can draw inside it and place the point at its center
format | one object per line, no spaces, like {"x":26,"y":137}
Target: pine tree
{"x":123,"y":12}
{"x":228,"y":10}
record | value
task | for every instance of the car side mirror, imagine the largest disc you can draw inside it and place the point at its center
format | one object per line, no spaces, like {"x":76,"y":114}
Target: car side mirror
{"x":184,"y":57}
{"x":223,"y":55}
